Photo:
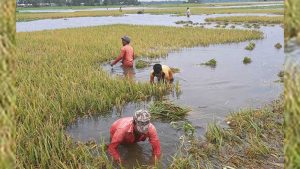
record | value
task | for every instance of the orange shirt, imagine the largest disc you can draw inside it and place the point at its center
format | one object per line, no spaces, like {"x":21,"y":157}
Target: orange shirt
{"x":127,"y":56}
{"x":122,"y":132}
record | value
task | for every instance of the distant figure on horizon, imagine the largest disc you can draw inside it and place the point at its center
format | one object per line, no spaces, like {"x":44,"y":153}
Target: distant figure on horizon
{"x":120,"y":10}
{"x":188,"y":12}
{"x":162,"y":72}
{"x":127,"y":57}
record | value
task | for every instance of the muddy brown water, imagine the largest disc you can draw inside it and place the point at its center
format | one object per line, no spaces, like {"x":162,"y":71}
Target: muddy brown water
{"x":212,"y":93}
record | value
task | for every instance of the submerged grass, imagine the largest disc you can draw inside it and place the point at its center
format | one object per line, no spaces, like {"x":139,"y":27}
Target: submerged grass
{"x":7,"y":85}
{"x":59,"y":79}
{"x":254,"y":139}
{"x":278,"y":46}
{"x":140,"y":64}
{"x":165,"y":110}
{"x":248,"y":19}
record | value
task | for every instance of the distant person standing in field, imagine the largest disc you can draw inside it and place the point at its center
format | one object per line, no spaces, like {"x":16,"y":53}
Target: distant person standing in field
{"x":162,"y":72}
{"x":127,"y":57}
{"x":188,"y":12}
{"x":120,"y":9}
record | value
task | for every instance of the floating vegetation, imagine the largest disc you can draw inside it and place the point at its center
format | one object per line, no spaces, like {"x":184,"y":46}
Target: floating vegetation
{"x":211,"y":63}
{"x":278,"y":46}
{"x":247,"y":60}
{"x":140,"y":64}
{"x":250,"y":46}
{"x":140,"y":12}
{"x":166,"y":110}
{"x":175,"y":70}
{"x":184,"y":22}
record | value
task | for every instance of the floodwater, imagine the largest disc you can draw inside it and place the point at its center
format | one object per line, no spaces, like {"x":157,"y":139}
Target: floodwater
{"x":77,"y":10}
{"x":212,"y":93}
{"x":136,"y":19}
{"x":141,"y":8}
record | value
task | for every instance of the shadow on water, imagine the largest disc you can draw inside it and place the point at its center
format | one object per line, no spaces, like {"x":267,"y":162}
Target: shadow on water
{"x":211,"y":93}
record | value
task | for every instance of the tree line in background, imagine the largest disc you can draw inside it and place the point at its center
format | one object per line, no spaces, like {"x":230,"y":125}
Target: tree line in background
{"x":37,"y":3}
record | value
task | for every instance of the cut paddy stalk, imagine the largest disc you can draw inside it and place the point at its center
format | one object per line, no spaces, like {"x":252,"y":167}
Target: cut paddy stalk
{"x":250,"y":46}
{"x":247,"y":60}
{"x":140,"y":64}
{"x":165,"y":110}
{"x":211,"y":63}
{"x":278,"y":46}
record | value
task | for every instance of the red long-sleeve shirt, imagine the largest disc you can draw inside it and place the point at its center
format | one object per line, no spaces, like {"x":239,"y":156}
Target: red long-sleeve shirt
{"x":127,"y":56}
{"x":122,"y":132}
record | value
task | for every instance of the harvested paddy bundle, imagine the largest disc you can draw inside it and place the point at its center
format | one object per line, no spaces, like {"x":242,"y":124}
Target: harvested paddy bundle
{"x":166,"y":110}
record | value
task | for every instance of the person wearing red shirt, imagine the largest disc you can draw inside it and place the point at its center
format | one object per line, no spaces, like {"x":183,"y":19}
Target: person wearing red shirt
{"x":129,"y":130}
{"x":126,"y":54}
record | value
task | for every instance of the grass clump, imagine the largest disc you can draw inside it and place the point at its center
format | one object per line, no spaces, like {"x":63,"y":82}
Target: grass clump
{"x":278,"y":46}
{"x":165,"y":110}
{"x":211,"y":63}
{"x":250,"y":46}
{"x":292,"y":18}
{"x":248,"y":19}
{"x":175,"y":70}
{"x":184,"y":22}
{"x":247,"y":60}
{"x":140,"y":64}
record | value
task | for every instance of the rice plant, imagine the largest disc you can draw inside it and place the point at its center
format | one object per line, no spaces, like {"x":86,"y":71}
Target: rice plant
{"x":7,"y":85}
{"x":140,"y":64}
{"x":248,"y":19}
{"x":247,"y":60}
{"x":211,"y":63}
{"x":165,"y":110}
{"x":278,"y":46}
{"x":250,"y":46}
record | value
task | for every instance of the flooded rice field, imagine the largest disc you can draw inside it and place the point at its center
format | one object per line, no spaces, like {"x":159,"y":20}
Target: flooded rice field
{"x":211,"y":93}
{"x":136,"y":19}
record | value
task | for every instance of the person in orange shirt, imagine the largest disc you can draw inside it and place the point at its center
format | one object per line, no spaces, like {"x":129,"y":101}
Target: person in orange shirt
{"x":126,"y":54}
{"x":162,"y":72}
{"x":127,"y":57}
{"x":130,"y":130}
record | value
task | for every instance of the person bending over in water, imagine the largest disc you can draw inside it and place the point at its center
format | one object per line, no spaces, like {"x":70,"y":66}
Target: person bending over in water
{"x":162,"y":72}
{"x":129,"y":130}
